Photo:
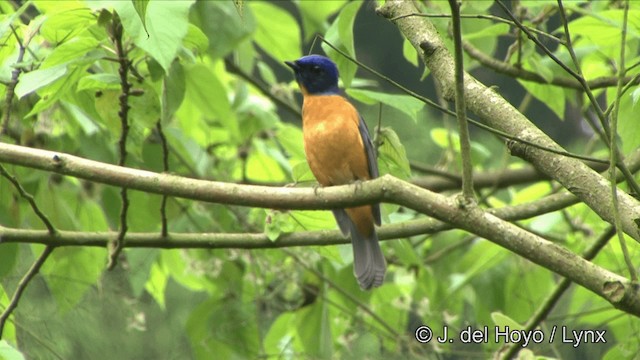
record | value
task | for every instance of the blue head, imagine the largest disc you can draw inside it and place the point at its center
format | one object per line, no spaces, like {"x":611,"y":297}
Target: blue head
{"x":315,"y":74}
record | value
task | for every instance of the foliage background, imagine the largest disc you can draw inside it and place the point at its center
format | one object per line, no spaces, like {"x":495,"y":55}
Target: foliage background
{"x":211,"y":74}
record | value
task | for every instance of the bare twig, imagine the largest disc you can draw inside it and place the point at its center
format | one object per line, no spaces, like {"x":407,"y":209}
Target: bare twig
{"x":125,"y":86}
{"x":165,"y":168}
{"x":461,"y":108}
{"x":614,"y":153}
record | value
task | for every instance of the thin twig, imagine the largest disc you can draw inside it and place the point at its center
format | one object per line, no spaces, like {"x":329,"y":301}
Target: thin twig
{"x":613,"y":153}
{"x":461,"y":108}
{"x":123,"y":71}
{"x":165,"y":168}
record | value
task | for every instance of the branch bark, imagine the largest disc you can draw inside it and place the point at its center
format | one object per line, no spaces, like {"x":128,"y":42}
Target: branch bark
{"x":494,"y":110}
{"x":612,"y":287}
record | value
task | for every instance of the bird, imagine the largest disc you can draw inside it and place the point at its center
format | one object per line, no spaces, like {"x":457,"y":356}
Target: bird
{"x":339,"y":151}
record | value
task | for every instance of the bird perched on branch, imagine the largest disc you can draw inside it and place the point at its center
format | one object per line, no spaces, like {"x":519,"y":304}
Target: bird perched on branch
{"x":339,"y":151}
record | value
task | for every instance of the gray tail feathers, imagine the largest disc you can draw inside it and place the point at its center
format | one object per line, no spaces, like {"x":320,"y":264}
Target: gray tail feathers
{"x":369,"y":265}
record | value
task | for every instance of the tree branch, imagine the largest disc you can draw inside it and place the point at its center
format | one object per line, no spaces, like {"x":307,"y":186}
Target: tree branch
{"x":614,"y":288}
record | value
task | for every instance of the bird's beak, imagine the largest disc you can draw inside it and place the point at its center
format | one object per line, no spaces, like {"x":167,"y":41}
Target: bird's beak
{"x":293,"y":65}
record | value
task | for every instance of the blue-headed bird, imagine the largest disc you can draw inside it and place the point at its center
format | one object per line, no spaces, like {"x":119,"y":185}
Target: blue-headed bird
{"x":339,"y":151}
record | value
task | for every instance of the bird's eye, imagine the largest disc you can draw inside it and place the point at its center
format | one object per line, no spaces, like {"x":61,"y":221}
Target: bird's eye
{"x":316,"y":69}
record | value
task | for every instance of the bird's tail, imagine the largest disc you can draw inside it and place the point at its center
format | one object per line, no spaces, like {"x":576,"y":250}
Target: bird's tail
{"x":369,"y":265}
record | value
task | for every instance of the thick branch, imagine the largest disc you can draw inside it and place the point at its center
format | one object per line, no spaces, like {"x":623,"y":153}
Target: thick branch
{"x":610,"y":286}
{"x":574,"y":175}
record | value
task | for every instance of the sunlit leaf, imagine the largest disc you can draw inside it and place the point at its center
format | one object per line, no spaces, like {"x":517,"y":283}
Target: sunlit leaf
{"x":340,"y":35}
{"x":71,"y":271}
{"x":392,"y":156}
{"x":223,"y":26}
{"x":141,"y":9}
{"x":407,"y":104}
{"x":167,"y":24}
{"x":37,"y":79}
{"x":278,"y":33}
{"x":8,"y":352}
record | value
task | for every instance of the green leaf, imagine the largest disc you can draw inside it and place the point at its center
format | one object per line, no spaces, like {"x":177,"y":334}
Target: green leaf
{"x":103,"y":81}
{"x":278,"y":223}
{"x":8,"y":352}
{"x":8,"y":258}
{"x":551,"y":96}
{"x":628,"y":127}
{"x":488,"y":31}
{"x":301,"y":173}
{"x":278,"y":33}
{"x":196,"y":40}
{"x":207,"y":93}
{"x":69,"y":20}
{"x":142,"y":260}
{"x":409,"y":52}
{"x":38,"y":79}
{"x":407,"y":104}
{"x":173,"y":90}
{"x":317,"y":338}
{"x":392,"y":155}
{"x":224,"y":28}
{"x":239,"y":6}
{"x":145,"y":109}
{"x":156,"y":284}
{"x":261,"y":166}
{"x":340,"y":35}
{"x":315,"y":13}
{"x":168,"y":23}
{"x":141,"y":9}
{"x":501,"y":320}
{"x":71,"y":271}
{"x":281,"y":337}
{"x":75,"y":50}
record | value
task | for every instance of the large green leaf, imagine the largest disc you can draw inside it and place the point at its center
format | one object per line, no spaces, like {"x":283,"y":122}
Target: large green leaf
{"x":206,"y":92}
{"x":340,"y":35}
{"x":141,"y":9}
{"x":315,"y":14}
{"x":278,"y":33}
{"x":8,"y":352}
{"x":173,"y":90}
{"x":392,"y":156}
{"x":223,"y":26}
{"x":71,"y":271}
{"x":551,"y":96}
{"x":37,"y":79}
{"x":167,"y":25}
{"x":628,"y":125}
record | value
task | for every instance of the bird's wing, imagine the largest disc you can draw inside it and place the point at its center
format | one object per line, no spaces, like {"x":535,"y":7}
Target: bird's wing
{"x":372,"y":162}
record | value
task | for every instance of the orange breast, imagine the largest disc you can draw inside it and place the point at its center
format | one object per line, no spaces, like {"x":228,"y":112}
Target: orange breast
{"x":332,"y":141}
